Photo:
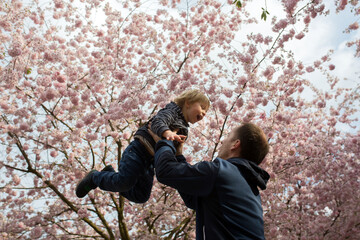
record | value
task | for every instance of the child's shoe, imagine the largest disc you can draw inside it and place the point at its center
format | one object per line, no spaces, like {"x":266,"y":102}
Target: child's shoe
{"x":85,"y":185}
{"x":108,"y":168}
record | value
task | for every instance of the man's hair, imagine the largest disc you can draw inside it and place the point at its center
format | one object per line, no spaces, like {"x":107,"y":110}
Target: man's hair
{"x":254,"y":145}
{"x":192,"y":96}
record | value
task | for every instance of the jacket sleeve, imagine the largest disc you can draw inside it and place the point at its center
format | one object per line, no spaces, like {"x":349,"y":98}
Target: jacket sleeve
{"x":194,"y":180}
{"x":162,"y":120}
{"x":189,"y":200}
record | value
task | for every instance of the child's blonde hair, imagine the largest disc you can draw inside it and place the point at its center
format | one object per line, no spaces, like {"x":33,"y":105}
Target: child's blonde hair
{"x":192,"y":96}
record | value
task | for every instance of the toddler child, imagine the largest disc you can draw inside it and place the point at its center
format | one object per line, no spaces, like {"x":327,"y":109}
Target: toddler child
{"x":134,"y":178}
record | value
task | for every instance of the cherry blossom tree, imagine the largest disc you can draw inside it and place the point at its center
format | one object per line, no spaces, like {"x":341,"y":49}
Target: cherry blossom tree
{"x":79,"y":77}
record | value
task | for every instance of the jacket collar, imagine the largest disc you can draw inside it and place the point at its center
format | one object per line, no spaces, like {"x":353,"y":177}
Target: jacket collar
{"x":251,"y":171}
{"x":174,"y":106}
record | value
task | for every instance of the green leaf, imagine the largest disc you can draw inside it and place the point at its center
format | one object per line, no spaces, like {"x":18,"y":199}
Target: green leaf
{"x":264,"y":14}
{"x":28,"y":71}
{"x":238,"y":4}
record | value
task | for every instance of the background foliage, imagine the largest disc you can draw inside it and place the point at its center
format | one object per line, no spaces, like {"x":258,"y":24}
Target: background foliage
{"x":79,"y":77}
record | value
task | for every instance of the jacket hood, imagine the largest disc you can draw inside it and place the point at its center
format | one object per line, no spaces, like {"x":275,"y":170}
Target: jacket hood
{"x":254,"y":174}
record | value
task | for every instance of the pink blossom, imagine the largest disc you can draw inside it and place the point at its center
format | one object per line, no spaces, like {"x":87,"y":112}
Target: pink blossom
{"x":61,"y":78}
{"x":96,"y":54}
{"x":265,"y":102}
{"x":49,"y":56}
{"x":187,"y":75}
{"x":82,"y":212}
{"x":228,"y":93}
{"x":290,"y":5}
{"x":173,"y":83}
{"x":321,"y":104}
{"x":242,"y":80}
{"x":300,"y":35}
{"x":4,"y":105}
{"x":240,"y":102}
{"x":14,"y":52}
{"x":307,"y":19}
{"x":250,"y":115}
{"x":126,"y":135}
{"x":21,"y":225}
{"x":91,"y":137}
{"x":276,"y":60}
{"x":53,"y":153}
{"x":36,"y":232}
{"x":50,"y":94}
{"x":213,"y":124}
{"x":280,"y":25}
{"x":6,"y":25}
{"x":75,"y":100}
{"x":78,"y":23}
{"x":353,"y":26}
{"x":267,"y":40}
{"x":25,"y":127}
{"x":119,"y":74}
{"x":268,"y":73}
{"x":89,"y":118}
{"x":310,"y":69}
{"x":85,"y":97}
{"x":251,"y":105}
{"x":331,"y":67}
{"x":100,"y":33}
{"x":290,"y":64}
{"x":211,"y":33}
{"x":222,"y":106}
{"x":259,"y":38}
{"x":313,"y":14}
{"x":317,"y":64}
{"x":258,"y":100}
{"x":342,"y":4}
{"x":16,"y":179}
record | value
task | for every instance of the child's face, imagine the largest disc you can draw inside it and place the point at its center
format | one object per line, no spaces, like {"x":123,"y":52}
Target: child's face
{"x":194,"y":112}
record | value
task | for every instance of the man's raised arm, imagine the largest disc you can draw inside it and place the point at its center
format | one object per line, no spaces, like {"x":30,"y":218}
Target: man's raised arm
{"x":197,"y":180}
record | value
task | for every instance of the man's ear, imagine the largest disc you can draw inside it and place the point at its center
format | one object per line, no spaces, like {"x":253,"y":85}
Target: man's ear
{"x":236,"y":145}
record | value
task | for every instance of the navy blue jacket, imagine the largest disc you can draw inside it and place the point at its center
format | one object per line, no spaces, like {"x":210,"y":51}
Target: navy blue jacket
{"x":224,"y":193}
{"x":168,"y":118}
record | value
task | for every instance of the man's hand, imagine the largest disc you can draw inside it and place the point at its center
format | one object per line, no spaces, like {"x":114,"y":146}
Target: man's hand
{"x":179,"y":149}
{"x":172,"y":136}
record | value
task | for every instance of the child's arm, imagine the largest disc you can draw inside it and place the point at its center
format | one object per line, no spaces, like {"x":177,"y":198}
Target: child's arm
{"x":161,"y":122}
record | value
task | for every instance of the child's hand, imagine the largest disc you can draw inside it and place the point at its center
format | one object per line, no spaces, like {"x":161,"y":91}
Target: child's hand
{"x":172,"y":136}
{"x":180,"y":138}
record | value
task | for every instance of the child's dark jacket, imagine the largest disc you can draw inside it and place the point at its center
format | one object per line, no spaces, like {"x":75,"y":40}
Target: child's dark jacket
{"x":224,"y":193}
{"x":168,"y":118}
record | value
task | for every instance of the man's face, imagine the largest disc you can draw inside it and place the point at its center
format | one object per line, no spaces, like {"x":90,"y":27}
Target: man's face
{"x":226,"y":144}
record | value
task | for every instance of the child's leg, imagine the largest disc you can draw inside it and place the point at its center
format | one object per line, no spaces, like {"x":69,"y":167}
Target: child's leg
{"x":141,"y":191}
{"x":134,"y":161}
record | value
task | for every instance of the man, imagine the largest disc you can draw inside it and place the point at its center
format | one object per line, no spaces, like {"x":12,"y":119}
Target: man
{"x":223,"y":192}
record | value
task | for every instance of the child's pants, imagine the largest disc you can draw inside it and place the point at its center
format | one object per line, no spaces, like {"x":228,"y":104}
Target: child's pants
{"x":134,"y":179}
